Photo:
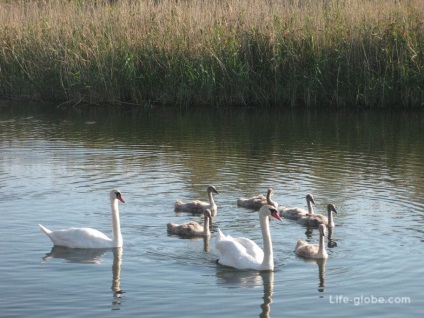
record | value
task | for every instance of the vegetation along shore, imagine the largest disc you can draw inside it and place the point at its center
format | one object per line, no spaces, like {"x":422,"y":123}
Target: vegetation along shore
{"x":284,"y":53}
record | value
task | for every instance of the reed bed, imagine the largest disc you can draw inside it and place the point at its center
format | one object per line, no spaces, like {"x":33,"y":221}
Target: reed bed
{"x":313,"y":53}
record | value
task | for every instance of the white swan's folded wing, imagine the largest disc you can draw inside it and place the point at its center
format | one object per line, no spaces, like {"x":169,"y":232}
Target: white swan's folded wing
{"x":251,"y":247}
{"x":80,"y":238}
{"x":240,"y":253}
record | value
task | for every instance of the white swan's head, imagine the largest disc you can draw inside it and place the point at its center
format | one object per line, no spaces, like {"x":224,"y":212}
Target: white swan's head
{"x":116,"y":194}
{"x":310,"y":198}
{"x":268,"y":210}
{"x":212,"y":189}
{"x":331,"y":208}
{"x":322,"y":229}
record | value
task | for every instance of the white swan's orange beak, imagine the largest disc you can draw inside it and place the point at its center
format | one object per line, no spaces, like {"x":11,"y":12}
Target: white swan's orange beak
{"x":275,"y":214}
{"x":120,"y":198}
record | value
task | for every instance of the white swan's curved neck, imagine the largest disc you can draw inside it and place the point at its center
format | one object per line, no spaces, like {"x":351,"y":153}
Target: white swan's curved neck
{"x":268,"y":261}
{"x":116,"y":224}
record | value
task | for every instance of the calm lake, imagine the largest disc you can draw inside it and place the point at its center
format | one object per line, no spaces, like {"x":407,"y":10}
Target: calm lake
{"x":57,"y":167}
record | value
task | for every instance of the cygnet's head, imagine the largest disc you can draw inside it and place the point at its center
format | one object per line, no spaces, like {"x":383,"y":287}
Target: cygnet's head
{"x":322,"y":230}
{"x":331,"y":208}
{"x":207,"y":213}
{"x":212,"y":189}
{"x":310,"y":198}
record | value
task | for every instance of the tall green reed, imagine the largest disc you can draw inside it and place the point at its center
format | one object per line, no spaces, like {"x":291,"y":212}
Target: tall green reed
{"x":295,"y":53}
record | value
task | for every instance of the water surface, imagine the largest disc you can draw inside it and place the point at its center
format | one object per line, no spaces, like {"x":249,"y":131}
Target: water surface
{"x":57,"y":167}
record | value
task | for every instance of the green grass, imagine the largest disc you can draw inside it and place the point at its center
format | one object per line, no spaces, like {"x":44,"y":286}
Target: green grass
{"x":327,"y":53}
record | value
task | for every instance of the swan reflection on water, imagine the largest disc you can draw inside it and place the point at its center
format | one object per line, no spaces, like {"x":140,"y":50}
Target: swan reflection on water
{"x":77,"y":255}
{"x":93,"y":256}
{"x":330,"y":242}
{"x":321,"y":271}
{"x":116,"y":278}
{"x":268,"y":280}
{"x":250,"y":279}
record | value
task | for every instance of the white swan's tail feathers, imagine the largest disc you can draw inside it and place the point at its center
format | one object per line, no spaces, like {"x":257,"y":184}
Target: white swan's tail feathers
{"x":45,"y":230}
{"x":219,"y":236}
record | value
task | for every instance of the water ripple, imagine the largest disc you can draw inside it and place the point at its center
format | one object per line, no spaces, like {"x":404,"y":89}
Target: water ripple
{"x":58,"y":171}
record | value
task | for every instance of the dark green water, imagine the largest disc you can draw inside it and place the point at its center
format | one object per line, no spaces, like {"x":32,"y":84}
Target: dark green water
{"x":57,"y":167}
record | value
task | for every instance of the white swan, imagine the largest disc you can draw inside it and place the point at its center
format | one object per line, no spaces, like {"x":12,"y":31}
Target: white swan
{"x":199,"y":206}
{"x":88,"y":237}
{"x":316,"y":251}
{"x":192,"y":228}
{"x":296,"y":213}
{"x":242,"y":253}
{"x":314,"y":220}
{"x":258,"y":201}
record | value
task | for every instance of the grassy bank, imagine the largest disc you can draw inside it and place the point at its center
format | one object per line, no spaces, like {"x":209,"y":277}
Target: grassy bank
{"x":315,"y":53}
